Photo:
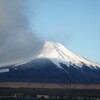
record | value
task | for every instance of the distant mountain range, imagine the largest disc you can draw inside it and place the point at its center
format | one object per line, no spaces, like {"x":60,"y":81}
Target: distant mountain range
{"x":55,"y":64}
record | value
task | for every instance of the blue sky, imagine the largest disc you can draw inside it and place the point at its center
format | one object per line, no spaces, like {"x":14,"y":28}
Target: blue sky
{"x":73,"y":23}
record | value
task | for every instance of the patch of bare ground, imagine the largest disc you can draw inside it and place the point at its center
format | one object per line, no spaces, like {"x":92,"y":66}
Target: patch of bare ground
{"x":48,"y":85}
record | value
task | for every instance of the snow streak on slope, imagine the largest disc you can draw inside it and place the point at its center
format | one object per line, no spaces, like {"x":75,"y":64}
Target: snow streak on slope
{"x":58,"y":53}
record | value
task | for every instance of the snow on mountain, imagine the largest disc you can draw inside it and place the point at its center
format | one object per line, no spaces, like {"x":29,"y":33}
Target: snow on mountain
{"x":57,"y":53}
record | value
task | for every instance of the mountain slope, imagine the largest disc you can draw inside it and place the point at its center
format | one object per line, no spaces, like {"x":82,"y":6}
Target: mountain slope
{"x":55,"y":64}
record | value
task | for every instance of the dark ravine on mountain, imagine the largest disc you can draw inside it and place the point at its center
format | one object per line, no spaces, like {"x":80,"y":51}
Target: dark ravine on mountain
{"x":55,"y":64}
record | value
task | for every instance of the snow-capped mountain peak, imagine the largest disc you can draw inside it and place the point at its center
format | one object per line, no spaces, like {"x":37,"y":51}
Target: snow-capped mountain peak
{"x":57,"y":53}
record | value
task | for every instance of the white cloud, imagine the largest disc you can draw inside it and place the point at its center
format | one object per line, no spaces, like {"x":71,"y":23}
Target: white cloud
{"x":16,"y":40}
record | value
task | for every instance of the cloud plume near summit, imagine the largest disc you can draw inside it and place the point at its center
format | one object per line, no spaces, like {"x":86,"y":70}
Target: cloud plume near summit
{"x":17,"y":42}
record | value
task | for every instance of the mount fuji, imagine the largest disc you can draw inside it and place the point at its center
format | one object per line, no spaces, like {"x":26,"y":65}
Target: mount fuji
{"x":55,"y":64}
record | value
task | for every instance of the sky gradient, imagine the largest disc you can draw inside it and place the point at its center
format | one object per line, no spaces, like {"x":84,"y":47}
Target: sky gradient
{"x":73,"y":23}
